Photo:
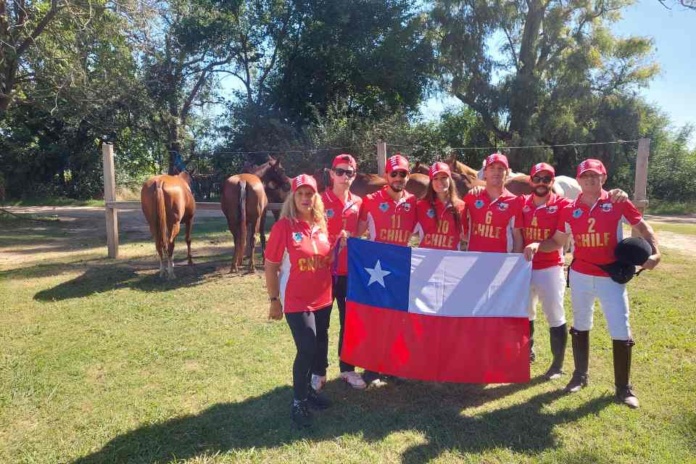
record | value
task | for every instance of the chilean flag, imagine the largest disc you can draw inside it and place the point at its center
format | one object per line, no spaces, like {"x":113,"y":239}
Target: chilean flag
{"x":437,"y":315}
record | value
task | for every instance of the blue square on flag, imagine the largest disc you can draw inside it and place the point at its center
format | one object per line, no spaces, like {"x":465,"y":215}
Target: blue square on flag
{"x":378,"y":274}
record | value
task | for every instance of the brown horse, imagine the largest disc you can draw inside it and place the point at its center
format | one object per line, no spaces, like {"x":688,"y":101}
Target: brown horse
{"x":167,"y":201}
{"x":461,"y":168}
{"x":244,"y":203}
{"x":276,"y":183}
{"x":463,"y":182}
{"x":365,"y":184}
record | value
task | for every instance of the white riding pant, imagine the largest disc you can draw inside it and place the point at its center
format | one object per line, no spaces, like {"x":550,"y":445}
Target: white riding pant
{"x":548,"y":286}
{"x":612,"y":296}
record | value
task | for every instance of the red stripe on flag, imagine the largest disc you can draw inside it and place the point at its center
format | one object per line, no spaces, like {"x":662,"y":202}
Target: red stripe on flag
{"x":440,"y":349}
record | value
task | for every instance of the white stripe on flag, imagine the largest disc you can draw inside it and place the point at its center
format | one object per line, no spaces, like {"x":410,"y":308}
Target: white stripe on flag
{"x":456,"y":284}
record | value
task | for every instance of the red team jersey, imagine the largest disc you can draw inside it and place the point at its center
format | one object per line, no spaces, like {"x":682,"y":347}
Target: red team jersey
{"x":491,"y":222}
{"x":305,"y":273}
{"x":596,"y":230}
{"x":437,"y":227}
{"x":340,"y":216}
{"x":389,"y":221}
{"x":541,"y":222}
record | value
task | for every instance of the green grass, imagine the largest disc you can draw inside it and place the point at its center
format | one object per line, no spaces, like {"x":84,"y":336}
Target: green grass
{"x":684,"y":229}
{"x":53,"y":201}
{"x":104,"y":362}
{"x":675,"y":208}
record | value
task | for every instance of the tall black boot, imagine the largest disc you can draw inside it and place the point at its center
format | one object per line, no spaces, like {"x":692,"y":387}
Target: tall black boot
{"x":532,"y":354}
{"x":622,"y":372}
{"x":559,"y":339}
{"x":581,"y":356}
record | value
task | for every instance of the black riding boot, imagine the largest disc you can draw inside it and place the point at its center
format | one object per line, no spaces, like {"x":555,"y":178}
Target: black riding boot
{"x":622,"y":372}
{"x":559,"y":339}
{"x":532,"y":355}
{"x":581,"y":357}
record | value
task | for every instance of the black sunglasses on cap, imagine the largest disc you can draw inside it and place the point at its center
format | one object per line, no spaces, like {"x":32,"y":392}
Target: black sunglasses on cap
{"x":542,"y":179}
{"x":347,"y":172}
{"x":401,"y":174}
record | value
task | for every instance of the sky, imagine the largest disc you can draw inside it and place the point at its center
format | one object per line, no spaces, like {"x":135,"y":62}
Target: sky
{"x":674,"y":35}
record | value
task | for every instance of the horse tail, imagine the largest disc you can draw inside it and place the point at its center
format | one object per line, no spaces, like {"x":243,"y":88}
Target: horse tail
{"x":160,"y":216}
{"x":243,"y":216}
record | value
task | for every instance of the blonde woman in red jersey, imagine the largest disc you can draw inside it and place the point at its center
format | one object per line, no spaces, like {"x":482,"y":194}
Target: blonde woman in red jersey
{"x":440,"y":218}
{"x":298,"y":280}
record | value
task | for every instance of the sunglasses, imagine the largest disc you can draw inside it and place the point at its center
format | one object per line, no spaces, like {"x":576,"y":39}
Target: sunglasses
{"x":344,"y":172}
{"x":401,"y":174}
{"x":542,"y":180}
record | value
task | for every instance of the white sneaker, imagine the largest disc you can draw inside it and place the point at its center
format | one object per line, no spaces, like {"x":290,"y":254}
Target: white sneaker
{"x":354,"y":379}
{"x":318,"y":382}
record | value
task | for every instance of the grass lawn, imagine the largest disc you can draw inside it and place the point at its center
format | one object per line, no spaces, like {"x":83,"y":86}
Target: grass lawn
{"x":104,"y":362}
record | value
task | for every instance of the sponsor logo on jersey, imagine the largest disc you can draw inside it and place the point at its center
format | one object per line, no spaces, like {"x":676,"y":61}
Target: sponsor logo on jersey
{"x":407,"y":206}
{"x":552,"y":209}
{"x":329,"y":213}
{"x":577,"y":213}
{"x":526,"y":209}
{"x":606,"y":207}
{"x":383,"y":207}
{"x":431,"y":213}
{"x":503,"y":206}
{"x":297,"y":236}
{"x":479,"y":204}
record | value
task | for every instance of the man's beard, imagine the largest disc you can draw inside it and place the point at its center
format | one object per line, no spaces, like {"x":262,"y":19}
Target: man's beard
{"x":541,"y":191}
{"x":396,"y":188}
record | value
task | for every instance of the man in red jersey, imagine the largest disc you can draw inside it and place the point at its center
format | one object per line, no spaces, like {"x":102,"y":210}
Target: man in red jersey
{"x":495,"y":215}
{"x":342,"y":214}
{"x":595,"y":223}
{"x":540,"y":214}
{"x":389,"y":216}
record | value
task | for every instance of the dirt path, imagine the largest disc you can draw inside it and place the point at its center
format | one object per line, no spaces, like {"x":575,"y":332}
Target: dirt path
{"x":84,"y":228}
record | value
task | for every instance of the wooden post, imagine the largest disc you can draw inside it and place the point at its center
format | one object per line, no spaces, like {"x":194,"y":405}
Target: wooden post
{"x":640,"y":191}
{"x":110,"y":197}
{"x":381,"y":157}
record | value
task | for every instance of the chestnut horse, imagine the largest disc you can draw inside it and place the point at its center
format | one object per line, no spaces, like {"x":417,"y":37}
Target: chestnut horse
{"x":244,"y":203}
{"x":167,"y":201}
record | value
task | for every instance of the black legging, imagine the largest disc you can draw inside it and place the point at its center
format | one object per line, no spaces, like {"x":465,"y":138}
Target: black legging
{"x":310,"y":330}
{"x":340,"y":285}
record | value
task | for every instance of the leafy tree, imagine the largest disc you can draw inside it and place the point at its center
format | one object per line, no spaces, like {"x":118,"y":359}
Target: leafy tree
{"x":531,"y":68}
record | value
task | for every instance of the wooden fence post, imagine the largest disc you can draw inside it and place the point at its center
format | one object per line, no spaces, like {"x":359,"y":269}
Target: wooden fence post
{"x":381,"y":157}
{"x":640,"y":191}
{"x":109,"y":198}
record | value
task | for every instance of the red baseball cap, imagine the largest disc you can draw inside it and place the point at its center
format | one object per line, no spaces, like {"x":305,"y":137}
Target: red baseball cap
{"x":591,"y":165}
{"x":397,"y":163}
{"x":497,"y":158}
{"x":439,"y":167}
{"x":344,"y":158}
{"x":304,"y":180}
{"x":541,"y":167}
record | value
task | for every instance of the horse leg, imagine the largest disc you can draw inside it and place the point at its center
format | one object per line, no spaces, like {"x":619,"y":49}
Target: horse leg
{"x":170,"y":251}
{"x":235,"y":240}
{"x":262,"y":232}
{"x":189,"y":226}
{"x":252,"y":243}
{"x":160,"y":253}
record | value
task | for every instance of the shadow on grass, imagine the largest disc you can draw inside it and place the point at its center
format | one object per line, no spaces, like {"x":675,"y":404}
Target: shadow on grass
{"x":99,"y":278}
{"x":432,"y":410}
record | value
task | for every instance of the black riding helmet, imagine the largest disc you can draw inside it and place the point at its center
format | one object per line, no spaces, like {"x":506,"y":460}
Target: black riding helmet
{"x":634,"y":250}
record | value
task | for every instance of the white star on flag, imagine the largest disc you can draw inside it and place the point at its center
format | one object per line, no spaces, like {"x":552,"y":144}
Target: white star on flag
{"x":377,"y":274}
